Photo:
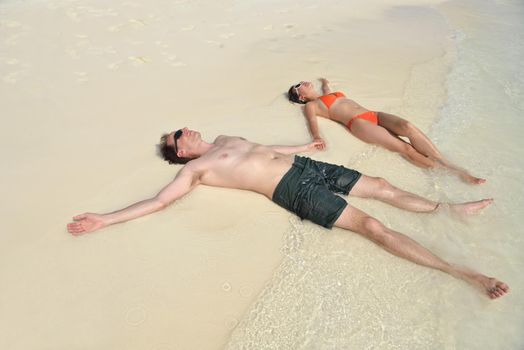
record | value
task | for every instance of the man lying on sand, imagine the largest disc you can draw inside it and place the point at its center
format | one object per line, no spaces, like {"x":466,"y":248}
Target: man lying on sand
{"x":301,"y":185}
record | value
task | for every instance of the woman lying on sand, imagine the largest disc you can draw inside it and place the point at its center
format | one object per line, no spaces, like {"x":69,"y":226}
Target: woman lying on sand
{"x":377,"y":128}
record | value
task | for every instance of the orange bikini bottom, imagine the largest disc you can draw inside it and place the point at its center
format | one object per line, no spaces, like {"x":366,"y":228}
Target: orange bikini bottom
{"x":369,"y":116}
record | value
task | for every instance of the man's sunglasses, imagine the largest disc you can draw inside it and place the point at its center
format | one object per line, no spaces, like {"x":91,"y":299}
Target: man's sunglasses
{"x":177,"y":135}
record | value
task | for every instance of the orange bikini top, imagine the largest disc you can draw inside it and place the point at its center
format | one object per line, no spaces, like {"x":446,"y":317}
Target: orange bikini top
{"x":330,"y":98}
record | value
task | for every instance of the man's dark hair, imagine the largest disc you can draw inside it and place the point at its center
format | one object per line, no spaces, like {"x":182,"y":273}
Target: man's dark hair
{"x":168,"y":153}
{"x":292,"y":95}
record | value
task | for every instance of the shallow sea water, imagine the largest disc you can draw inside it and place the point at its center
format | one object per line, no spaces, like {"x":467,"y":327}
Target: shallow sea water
{"x":341,"y":292}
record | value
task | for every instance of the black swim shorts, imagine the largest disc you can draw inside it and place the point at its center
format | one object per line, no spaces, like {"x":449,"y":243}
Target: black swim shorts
{"x":308,"y":190}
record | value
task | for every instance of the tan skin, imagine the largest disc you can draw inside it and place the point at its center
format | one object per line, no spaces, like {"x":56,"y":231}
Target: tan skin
{"x":419,"y":150}
{"x":234,"y":162}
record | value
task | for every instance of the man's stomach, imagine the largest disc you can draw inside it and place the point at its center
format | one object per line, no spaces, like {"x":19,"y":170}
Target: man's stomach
{"x":253,"y":174}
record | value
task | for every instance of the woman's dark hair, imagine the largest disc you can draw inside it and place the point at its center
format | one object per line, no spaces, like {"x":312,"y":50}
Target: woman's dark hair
{"x":168,"y":153}
{"x":292,"y":95}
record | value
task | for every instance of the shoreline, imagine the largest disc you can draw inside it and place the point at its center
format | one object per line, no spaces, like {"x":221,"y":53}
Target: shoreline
{"x":334,"y":289}
{"x":424,"y":109}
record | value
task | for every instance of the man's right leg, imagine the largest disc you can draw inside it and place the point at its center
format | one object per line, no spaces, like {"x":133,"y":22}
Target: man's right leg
{"x":380,"y":189}
{"x":402,"y":246}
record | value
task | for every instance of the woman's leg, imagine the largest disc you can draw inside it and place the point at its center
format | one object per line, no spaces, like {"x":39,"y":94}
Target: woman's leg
{"x":378,"y":135}
{"x":422,"y":144}
{"x":417,"y":138}
{"x":404,"y":247}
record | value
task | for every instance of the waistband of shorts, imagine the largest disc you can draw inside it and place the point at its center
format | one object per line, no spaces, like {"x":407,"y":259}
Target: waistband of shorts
{"x":301,"y":162}
{"x":298,"y":165}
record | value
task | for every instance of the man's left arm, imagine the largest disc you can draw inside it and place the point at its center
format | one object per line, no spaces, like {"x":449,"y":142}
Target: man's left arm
{"x":308,"y":147}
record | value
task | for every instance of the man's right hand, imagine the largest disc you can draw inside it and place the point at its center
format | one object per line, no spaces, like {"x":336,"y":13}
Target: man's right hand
{"x":85,"y":223}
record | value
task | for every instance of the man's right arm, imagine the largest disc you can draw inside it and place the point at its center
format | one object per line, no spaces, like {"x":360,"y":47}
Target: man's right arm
{"x":183,"y":183}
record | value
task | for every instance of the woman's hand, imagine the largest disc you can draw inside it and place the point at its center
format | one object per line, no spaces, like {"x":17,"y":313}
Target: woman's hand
{"x":85,"y":223}
{"x":325,"y":86}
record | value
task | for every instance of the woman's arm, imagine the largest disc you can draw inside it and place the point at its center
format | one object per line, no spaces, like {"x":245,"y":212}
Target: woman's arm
{"x":325,"y":86}
{"x":183,"y":183}
{"x":310,"y":111}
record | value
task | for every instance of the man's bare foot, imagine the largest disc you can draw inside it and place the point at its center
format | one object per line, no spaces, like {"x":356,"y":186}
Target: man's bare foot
{"x":470,"y":208}
{"x":489,"y":285}
{"x":493,"y":287}
{"x":472,"y":179}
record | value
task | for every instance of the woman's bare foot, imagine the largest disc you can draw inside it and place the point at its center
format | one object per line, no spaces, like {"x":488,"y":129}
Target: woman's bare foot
{"x":470,"y":208}
{"x":472,"y":179}
{"x":462,"y":173}
{"x":493,"y":287}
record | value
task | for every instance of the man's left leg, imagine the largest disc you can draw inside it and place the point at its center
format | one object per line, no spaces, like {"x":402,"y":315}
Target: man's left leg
{"x":402,"y":246}
{"x":380,"y":189}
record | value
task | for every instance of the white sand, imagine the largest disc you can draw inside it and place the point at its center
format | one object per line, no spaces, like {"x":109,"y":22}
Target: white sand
{"x":86,"y":89}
